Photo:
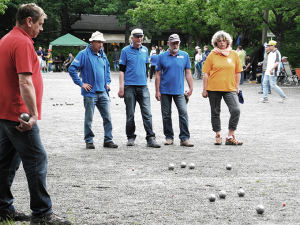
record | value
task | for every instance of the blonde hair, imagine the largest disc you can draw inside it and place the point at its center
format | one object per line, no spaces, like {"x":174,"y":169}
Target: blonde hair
{"x":217,"y":36}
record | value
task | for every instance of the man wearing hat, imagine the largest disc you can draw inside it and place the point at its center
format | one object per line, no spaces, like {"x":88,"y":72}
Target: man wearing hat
{"x":169,"y":84}
{"x":133,"y":87}
{"x":95,"y":71}
{"x":272,"y":71}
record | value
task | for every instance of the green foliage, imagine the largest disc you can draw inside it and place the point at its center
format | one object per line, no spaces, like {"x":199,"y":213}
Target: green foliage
{"x":3,"y":6}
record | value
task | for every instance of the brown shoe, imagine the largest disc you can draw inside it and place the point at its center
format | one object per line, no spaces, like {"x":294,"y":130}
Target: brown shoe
{"x":187,"y":143}
{"x":218,"y":140}
{"x":168,"y":142}
{"x":232,"y":141}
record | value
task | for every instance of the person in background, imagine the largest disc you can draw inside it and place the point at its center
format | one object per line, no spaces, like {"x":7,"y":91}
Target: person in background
{"x":68,"y":62}
{"x":264,"y":65}
{"x":222,"y":73}
{"x":50,"y":60}
{"x":44,"y":65}
{"x":198,"y":65}
{"x":161,"y":49}
{"x":116,"y":58}
{"x":153,"y":60}
{"x":242,"y":57}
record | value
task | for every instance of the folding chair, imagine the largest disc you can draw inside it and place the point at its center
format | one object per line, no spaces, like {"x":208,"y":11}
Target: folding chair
{"x":291,"y":77}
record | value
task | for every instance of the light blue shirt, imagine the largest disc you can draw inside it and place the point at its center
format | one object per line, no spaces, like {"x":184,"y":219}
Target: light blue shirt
{"x":172,"y":75}
{"x":135,"y":61}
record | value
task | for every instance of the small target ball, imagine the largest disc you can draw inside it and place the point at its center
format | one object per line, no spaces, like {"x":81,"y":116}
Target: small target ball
{"x":132,"y":169}
{"x":212,"y":198}
{"x":183,"y":164}
{"x":283,"y":204}
{"x":228,"y":167}
{"x":25,"y":117}
{"x":260,"y":209}
{"x":192,"y":166}
{"x":241,"y":193}
{"x":222,"y":194}
{"x":171,"y":166}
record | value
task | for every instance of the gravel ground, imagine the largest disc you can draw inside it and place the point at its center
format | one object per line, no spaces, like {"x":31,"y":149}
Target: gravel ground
{"x":132,"y":185}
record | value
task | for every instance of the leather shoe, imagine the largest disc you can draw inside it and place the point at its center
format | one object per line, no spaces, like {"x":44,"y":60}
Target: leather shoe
{"x":110,"y":145}
{"x":15,"y":216}
{"x":90,"y":146}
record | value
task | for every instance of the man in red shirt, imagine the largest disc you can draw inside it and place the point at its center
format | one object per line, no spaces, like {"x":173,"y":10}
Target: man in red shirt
{"x":21,"y":90}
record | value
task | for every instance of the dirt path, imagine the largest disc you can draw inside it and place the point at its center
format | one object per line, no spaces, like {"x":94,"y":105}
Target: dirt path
{"x":99,"y":186}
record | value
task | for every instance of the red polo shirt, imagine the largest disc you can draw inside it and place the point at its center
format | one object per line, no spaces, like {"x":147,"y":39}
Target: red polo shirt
{"x":17,"y":55}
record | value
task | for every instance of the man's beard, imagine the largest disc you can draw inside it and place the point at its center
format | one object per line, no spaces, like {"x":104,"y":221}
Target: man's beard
{"x":174,"y":50}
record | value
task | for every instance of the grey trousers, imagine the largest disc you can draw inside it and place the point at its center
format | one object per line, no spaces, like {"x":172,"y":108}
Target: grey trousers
{"x":231,"y":100}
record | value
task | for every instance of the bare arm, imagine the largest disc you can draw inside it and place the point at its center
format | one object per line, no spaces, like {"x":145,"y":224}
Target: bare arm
{"x":121,"y":84}
{"x":189,"y":80}
{"x":237,"y":80}
{"x":205,"y":79}
{"x":27,"y":91}
{"x":157,"y":84}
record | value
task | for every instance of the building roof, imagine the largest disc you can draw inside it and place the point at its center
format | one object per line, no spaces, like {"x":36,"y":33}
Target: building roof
{"x":98,"y":22}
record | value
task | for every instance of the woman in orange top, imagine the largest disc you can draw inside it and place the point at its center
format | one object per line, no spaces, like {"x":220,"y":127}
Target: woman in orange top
{"x":222,"y":74}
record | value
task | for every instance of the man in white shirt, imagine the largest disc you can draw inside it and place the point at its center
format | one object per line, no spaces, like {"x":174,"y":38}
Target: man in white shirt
{"x":272,"y":71}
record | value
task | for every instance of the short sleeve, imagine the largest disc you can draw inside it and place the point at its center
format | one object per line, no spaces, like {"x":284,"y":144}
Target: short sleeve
{"x":123,"y":57}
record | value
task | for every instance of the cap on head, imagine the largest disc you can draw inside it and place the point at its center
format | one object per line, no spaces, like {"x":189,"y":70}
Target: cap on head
{"x":196,"y":47}
{"x":272,"y":43}
{"x":284,"y":57}
{"x":174,"y":37}
{"x":97,"y":36}
{"x":137,"y":32}
{"x":49,"y":50}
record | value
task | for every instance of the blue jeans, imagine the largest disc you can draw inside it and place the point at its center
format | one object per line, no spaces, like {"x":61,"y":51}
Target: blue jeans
{"x":116,"y":64}
{"x":166,"y":111}
{"x":242,"y":78}
{"x":262,"y":82}
{"x":272,"y":81}
{"x":102,"y":101}
{"x":141,"y":95}
{"x":50,"y":67}
{"x":16,"y":146}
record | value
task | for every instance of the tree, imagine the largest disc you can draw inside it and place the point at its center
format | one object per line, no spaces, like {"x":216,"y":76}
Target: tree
{"x":118,"y":8}
{"x":3,"y":6}
{"x":282,"y":15}
{"x":184,"y":14}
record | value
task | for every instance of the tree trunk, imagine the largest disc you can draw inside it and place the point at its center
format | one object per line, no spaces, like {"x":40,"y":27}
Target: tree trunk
{"x":64,"y":19}
{"x":190,"y":41}
{"x":198,"y":41}
{"x":265,"y":28}
{"x":127,"y":34}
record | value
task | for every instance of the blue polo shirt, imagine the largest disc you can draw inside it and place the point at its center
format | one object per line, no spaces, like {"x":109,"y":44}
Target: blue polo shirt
{"x":172,"y":72}
{"x":99,"y":64}
{"x":153,"y":59}
{"x":135,"y":61}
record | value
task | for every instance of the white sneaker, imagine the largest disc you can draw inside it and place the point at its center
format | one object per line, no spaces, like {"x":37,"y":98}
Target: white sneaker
{"x":264,"y":101}
{"x":282,"y":100}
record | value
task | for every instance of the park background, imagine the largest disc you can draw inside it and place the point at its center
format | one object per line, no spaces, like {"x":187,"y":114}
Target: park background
{"x":196,"y":21}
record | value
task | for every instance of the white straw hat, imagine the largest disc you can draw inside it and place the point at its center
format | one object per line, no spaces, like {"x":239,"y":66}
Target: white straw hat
{"x":97,"y":36}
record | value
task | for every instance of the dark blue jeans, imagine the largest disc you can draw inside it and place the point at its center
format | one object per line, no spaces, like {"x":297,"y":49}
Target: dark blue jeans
{"x":166,"y":111}
{"x":141,"y":95}
{"x":27,"y":147}
{"x":101,"y":100}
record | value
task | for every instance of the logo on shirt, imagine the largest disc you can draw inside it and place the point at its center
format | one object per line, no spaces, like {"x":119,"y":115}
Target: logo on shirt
{"x":75,"y":60}
{"x":229,"y":60}
{"x":180,"y":56}
{"x":143,"y":50}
